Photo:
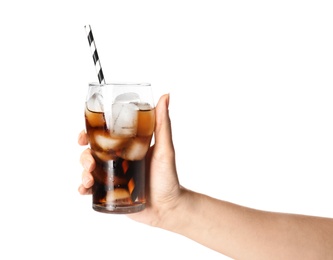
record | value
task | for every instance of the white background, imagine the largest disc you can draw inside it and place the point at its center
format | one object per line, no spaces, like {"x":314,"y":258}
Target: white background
{"x":251,"y":108}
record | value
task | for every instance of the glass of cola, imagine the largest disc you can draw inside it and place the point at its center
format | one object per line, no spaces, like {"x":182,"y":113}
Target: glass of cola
{"x":120,"y":121}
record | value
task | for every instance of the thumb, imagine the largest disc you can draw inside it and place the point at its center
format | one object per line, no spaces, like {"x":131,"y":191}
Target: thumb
{"x":163,"y":133}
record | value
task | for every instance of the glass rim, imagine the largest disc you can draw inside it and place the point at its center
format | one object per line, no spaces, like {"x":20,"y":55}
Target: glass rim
{"x":141,"y":84}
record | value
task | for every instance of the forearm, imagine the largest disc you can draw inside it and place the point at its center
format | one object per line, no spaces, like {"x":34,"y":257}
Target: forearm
{"x":245,"y":233}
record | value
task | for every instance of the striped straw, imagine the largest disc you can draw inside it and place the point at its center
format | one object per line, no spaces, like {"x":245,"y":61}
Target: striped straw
{"x":94,"y":53}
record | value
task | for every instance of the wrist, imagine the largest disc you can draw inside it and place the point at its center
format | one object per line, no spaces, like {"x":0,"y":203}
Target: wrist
{"x":174,"y":218}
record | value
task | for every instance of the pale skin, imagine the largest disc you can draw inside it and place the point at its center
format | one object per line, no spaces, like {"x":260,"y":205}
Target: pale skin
{"x":233,"y":230}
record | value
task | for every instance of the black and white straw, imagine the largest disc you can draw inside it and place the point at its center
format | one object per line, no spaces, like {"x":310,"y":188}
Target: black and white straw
{"x":95,"y":54}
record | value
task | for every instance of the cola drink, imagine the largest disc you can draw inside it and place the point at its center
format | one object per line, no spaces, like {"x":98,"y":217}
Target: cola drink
{"x":120,"y":131}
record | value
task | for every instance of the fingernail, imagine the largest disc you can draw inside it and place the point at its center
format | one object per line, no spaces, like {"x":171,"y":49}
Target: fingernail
{"x":168,"y":100}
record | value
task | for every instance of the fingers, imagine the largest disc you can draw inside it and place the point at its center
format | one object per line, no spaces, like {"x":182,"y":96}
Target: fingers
{"x":83,"y":138}
{"x":87,"y":183}
{"x":88,"y":163}
{"x":83,"y":191}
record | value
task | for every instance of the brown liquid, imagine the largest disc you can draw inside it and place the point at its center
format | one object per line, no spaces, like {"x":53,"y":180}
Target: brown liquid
{"x":119,"y":175}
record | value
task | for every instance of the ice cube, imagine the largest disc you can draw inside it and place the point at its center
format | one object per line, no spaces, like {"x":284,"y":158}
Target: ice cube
{"x":104,"y":141}
{"x":105,"y":156}
{"x":124,"y":119}
{"x":129,"y":97}
{"x":136,"y":149}
{"x":119,"y":196}
{"x":95,"y":103}
{"x":144,"y":106}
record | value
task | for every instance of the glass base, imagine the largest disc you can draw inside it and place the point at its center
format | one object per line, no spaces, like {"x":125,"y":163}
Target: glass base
{"x":118,"y":209}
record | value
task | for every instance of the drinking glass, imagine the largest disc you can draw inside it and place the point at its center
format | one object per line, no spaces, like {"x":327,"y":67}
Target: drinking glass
{"x":120,"y":120}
